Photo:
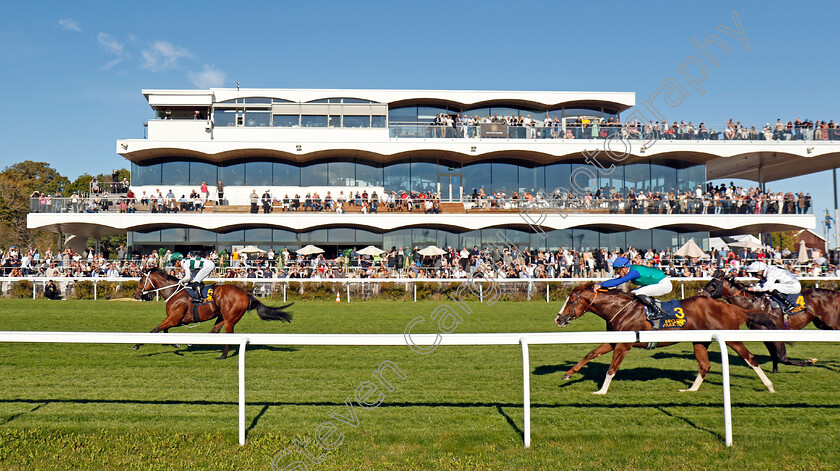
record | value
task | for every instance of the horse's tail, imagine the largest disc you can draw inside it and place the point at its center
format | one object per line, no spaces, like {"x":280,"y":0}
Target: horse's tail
{"x":758,"y":319}
{"x":268,"y":313}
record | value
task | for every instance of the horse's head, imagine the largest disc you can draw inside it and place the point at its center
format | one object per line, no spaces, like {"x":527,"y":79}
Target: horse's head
{"x":713,"y":289}
{"x":579,"y":300}
{"x":143,"y":291}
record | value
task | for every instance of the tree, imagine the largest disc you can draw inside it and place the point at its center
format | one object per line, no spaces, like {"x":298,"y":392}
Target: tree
{"x":784,"y":240}
{"x":17,"y":183}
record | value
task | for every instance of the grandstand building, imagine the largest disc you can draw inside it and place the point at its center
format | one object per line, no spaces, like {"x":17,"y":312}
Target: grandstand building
{"x":298,"y":142}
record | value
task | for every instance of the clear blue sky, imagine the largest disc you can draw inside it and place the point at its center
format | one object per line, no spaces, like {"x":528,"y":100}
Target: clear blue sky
{"x":71,"y":72}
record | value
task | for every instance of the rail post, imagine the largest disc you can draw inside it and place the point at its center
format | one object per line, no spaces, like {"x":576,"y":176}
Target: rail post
{"x":727,"y":398}
{"x":94,"y":288}
{"x":546,"y":292}
{"x":526,"y":392}
{"x":348,"y":291}
{"x":241,"y":354}
{"x":33,"y":289}
{"x":415,"y":291}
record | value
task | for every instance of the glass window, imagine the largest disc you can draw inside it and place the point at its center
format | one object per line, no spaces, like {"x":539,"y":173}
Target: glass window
{"x":664,"y":239}
{"x":258,"y":99}
{"x":261,"y":234}
{"x":585,"y":179}
{"x":614,"y":240}
{"x":639,"y":240}
{"x":398,"y":177}
{"x":368,"y":238}
{"x":356,"y":100}
{"x":286,"y":120}
{"x":368,"y":175}
{"x":423,"y":237}
{"x":356,"y":121}
{"x":406,"y":115}
{"x":255,"y":118}
{"x":342,"y":235}
{"x":313,"y":121}
{"x":663,"y":178}
{"x":558,"y":176}
{"x":334,"y":121}
{"x":224,"y":117}
{"x":613,"y":181}
{"x":145,"y":174}
{"x":504,"y":178}
{"x":258,"y":174}
{"x":342,"y":174}
{"x":637,"y":176}
{"x":151,"y":236}
{"x":688,"y":178}
{"x":318,"y":236}
{"x":175,"y":173}
{"x":558,"y":239}
{"x":572,"y":112}
{"x":232,"y":175}
{"x":314,"y":175}
{"x":398,"y":238}
{"x":426,"y":114}
{"x":476,"y":176}
{"x":471,"y":239}
{"x":586,"y":239}
{"x":280,"y":100}
{"x":377,"y":121}
{"x":173,"y":234}
{"x":520,"y":239}
{"x":280,"y":235}
{"x":285,"y":174}
{"x":201,"y":235}
{"x":203,"y":172}
{"x":532,"y":179}
{"x":447,"y":239}
{"x":423,"y":177}
{"x":232,"y":236}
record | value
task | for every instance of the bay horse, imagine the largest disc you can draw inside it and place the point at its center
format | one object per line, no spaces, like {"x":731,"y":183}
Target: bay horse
{"x":624,"y":313}
{"x":823,"y":309}
{"x":227,"y":307}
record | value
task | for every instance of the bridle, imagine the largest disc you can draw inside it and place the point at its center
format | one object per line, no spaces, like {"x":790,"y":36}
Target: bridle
{"x":147,"y":280}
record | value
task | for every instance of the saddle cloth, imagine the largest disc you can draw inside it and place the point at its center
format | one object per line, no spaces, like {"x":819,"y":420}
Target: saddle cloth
{"x":206,"y":293}
{"x":797,"y":300}
{"x":674,"y":317}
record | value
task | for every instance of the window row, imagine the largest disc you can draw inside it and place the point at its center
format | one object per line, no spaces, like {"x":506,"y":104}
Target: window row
{"x":265,"y":118}
{"x":416,"y":175}
{"x":425,"y":114}
{"x":577,"y":239}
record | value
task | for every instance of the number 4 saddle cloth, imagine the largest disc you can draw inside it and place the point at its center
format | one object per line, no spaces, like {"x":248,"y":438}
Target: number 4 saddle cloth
{"x":674,"y":317}
{"x":797,"y":300}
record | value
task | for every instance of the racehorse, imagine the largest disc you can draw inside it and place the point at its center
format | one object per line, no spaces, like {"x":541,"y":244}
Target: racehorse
{"x":228,"y":305}
{"x":823,"y":309}
{"x":623,"y":312}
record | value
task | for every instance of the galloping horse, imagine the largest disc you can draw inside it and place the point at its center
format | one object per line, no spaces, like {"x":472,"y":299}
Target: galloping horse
{"x":623,"y":312}
{"x":227,"y":307}
{"x":823,"y":309}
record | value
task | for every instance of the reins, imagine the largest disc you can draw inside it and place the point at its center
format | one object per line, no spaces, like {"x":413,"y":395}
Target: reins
{"x":619,"y":311}
{"x":146,"y":291}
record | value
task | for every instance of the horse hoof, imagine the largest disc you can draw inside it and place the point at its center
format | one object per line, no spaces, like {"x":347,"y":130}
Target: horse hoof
{"x":176,"y":345}
{"x":687,"y":390}
{"x":813,"y":361}
{"x":136,"y":347}
{"x":567,"y":377}
{"x":221,"y":358}
{"x":599,"y":393}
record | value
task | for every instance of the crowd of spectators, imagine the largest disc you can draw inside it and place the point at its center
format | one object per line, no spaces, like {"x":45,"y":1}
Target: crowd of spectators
{"x":584,"y":127}
{"x":508,"y":262}
{"x":720,"y":199}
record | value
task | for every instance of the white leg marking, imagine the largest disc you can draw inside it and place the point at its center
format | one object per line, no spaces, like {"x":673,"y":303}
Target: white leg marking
{"x":764,"y":378}
{"x":694,"y":387}
{"x":606,"y":385}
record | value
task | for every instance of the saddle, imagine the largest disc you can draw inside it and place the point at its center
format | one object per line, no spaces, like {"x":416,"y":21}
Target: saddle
{"x":206,"y":296}
{"x":796,"y":300}
{"x":674,"y":317}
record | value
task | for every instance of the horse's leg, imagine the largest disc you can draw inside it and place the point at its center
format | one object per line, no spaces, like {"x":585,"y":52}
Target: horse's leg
{"x":598,"y":351}
{"x":750,"y":359}
{"x":618,"y":356}
{"x":776,"y":349}
{"x":701,"y":353}
{"x":218,"y":327}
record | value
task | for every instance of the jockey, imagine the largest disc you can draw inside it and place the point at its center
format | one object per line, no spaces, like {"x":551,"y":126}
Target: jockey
{"x":650,"y":281}
{"x":202,"y":265}
{"x":776,"y":282}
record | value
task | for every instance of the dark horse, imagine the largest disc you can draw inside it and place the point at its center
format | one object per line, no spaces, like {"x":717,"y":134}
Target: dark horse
{"x":228,"y":305}
{"x":623,"y":312}
{"x":823,"y":310}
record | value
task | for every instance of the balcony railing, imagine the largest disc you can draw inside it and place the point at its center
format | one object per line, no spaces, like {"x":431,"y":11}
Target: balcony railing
{"x":608,"y":131}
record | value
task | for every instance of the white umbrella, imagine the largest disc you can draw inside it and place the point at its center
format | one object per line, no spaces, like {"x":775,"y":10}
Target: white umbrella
{"x":803,"y":253}
{"x":431,"y":251}
{"x":252,"y":249}
{"x":309,"y":250}
{"x":747,"y":244}
{"x":691,"y":249}
{"x":370,"y":250}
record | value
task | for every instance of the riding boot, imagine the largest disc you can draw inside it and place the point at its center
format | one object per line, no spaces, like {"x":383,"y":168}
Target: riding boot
{"x":787,"y":307}
{"x":196,"y":286}
{"x":653,"y":310}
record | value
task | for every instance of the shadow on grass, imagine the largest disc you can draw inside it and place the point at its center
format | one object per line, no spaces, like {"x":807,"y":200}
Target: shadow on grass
{"x":511,"y":423}
{"x":690,"y":423}
{"x":204,"y":349}
{"x":15,"y":416}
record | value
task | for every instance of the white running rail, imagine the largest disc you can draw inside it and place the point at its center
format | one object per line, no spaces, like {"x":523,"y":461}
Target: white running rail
{"x":523,"y":339}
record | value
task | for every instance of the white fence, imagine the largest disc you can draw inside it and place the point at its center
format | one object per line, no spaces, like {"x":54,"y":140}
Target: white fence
{"x":266,"y":285}
{"x":523,"y":339}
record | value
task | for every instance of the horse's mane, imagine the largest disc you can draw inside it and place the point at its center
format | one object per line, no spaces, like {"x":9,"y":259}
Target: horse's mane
{"x":159,"y":271}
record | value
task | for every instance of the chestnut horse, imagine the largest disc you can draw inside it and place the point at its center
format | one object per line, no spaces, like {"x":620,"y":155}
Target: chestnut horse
{"x":228,"y":305}
{"x":623,"y":312}
{"x":823,"y":310}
